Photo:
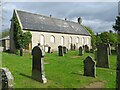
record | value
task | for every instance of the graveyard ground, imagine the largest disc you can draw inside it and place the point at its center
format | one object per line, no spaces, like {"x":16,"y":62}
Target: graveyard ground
{"x":61,"y":72}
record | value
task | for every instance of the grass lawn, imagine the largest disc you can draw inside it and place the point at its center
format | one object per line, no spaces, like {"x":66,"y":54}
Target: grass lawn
{"x":61,"y":72}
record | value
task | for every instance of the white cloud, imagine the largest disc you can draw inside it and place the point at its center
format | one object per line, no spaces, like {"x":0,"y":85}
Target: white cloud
{"x":99,"y":16}
{"x":98,"y":25}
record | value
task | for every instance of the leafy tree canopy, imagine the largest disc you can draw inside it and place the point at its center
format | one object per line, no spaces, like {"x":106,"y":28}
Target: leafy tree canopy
{"x":117,"y":27}
{"x":5,"y":33}
{"x":93,"y":38}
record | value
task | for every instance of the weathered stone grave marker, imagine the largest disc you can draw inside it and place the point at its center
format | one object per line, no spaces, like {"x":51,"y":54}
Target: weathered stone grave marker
{"x":49,"y":49}
{"x":118,"y":69}
{"x":89,"y":67}
{"x":6,"y":79}
{"x":83,"y":47}
{"x":64,"y":49}
{"x":81,"y":51}
{"x":86,"y":48}
{"x":102,"y":55}
{"x":60,"y":51}
{"x":74,"y":47}
{"x":109,"y":47}
{"x":38,"y":65}
{"x":21,"y":51}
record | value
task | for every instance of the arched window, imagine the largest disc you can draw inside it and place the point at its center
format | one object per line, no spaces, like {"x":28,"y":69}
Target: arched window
{"x":42,"y":40}
{"x":52,"y":39}
{"x":83,"y":41}
{"x":87,"y":41}
{"x":62,"y":40}
{"x":77,"y":40}
{"x":70,"y":40}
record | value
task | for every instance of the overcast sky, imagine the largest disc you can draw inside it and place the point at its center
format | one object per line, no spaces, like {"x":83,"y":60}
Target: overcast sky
{"x":98,"y":16}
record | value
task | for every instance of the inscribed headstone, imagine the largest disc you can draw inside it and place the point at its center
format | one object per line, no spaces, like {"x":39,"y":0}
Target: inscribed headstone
{"x":89,"y":67}
{"x":102,"y":55}
{"x":38,"y":65}
{"x":60,"y":51}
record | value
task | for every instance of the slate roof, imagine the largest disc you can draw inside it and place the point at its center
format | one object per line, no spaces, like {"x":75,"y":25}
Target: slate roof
{"x":36,"y":22}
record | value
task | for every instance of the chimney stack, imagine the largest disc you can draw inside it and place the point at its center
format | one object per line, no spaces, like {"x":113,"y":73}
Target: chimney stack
{"x":50,"y":15}
{"x":79,"y":20}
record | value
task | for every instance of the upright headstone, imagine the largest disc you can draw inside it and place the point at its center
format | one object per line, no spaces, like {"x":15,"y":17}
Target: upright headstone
{"x":91,"y":50}
{"x":118,"y":69}
{"x":64,"y":49}
{"x":89,"y":67}
{"x":81,"y":51}
{"x":49,"y":49}
{"x":109,"y":47}
{"x":6,"y":79}
{"x":21,"y":51}
{"x":83,"y":47}
{"x":60,"y":51}
{"x":86,"y":48}
{"x":74,"y":47}
{"x":102,"y":55}
{"x":38,"y":65}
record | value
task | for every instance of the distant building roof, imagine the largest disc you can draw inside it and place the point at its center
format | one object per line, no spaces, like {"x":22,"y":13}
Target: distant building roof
{"x":5,"y":38}
{"x":36,"y":22}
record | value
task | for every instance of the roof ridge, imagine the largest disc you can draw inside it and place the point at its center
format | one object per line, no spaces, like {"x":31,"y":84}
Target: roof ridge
{"x":33,"y":21}
{"x":46,"y":16}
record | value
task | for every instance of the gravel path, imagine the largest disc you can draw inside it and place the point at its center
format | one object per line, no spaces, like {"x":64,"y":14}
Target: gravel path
{"x":96,"y":85}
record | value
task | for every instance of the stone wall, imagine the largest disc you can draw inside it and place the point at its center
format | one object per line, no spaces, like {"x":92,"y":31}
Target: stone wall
{"x":54,"y":46}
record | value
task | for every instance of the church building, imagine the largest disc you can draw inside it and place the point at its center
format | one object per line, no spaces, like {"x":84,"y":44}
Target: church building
{"x":50,"y":31}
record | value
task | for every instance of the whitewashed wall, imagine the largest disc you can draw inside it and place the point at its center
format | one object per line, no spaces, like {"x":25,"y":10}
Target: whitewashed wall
{"x":44,"y":39}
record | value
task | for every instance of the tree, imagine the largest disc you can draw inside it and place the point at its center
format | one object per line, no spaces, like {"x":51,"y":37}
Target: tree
{"x":109,"y":37}
{"x":98,"y":39}
{"x":93,"y":38}
{"x":26,"y":39}
{"x":117,"y":24}
{"x":104,"y":37}
{"x":21,"y":39}
{"x":117,"y":27}
{"x":5,"y":33}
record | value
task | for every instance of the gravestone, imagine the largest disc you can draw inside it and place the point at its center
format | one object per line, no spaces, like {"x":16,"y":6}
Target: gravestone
{"x":60,"y":51}
{"x":81,"y":51}
{"x":6,"y":79}
{"x":109,"y":47}
{"x":49,"y":49}
{"x":64,"y":49}
{"x":70,"y":46}
{"x":102,"y":55}
{"x":83,"y":47}
{"x":86,"y":48}
{"x":38,"y":65}
{"x":74,"y":48}
{"x":91,"y":50}
{"x":89,"y":67}
{"x":118,"y":69}
{"x":21,"y":51}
